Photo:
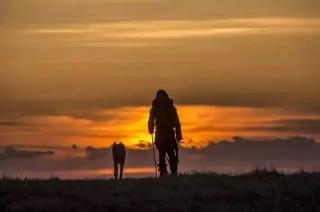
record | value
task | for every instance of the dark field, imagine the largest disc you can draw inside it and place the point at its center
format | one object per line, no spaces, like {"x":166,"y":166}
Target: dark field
{"x":256,"y":191}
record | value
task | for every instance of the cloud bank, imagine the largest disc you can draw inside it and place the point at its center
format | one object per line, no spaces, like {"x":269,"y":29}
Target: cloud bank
{"x":200,"y":124}
{"x":12,"y":153}
{"x":236,"y":155}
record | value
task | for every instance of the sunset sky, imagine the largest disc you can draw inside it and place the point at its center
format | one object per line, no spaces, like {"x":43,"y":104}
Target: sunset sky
{"x":85,"y":72}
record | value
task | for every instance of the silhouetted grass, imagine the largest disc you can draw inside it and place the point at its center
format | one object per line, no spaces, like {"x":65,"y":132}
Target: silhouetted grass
{"x":258,"y":190}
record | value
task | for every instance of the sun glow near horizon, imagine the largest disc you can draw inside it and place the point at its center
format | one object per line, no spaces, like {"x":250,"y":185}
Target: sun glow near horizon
{"x":201,"y":125}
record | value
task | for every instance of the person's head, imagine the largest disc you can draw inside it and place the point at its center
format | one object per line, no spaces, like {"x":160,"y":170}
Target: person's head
{"x":162,"y":95}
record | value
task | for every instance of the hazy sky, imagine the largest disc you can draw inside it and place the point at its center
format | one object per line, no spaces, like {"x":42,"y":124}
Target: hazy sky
{"x":84,"y":71}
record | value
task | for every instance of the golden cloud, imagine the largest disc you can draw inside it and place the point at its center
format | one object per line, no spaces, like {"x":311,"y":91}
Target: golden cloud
{"x":201,"y":125}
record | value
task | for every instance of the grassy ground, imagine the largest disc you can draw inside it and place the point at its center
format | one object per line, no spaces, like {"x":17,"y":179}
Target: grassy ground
{"x":256,"y":191}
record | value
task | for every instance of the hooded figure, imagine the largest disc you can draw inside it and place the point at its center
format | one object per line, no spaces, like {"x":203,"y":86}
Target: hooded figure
{"x":164,"y":119}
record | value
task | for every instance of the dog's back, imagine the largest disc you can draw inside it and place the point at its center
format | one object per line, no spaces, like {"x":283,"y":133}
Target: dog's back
{"x":119,"y":153}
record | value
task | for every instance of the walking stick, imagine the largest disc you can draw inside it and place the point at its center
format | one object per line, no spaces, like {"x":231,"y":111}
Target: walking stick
{"x":154,"y":156}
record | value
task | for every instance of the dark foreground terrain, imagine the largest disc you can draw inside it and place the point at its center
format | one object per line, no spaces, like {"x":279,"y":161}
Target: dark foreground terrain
{"x":256,"y":191}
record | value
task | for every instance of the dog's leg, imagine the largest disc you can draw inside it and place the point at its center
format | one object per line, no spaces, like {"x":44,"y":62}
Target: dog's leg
{"x":115,"y":170}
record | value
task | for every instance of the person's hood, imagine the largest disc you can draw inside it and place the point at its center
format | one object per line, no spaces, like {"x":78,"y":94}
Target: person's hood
{"x":156,"y":102}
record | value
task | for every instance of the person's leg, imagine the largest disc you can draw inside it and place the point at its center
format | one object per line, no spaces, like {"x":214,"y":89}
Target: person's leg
{"x":115,"y":170}
{"x":173,"y":162}
{"x":121,"y":170}
{"x":162,"y":163}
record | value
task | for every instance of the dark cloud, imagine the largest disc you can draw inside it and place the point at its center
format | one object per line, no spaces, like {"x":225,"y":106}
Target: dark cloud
{"x":241,"y":154}
{"x":37,"y":147}
{"x":284,"y":152}
{"x":12,"y":153}
{"x":9,"y":123}
{"x":311,"y":126}
{"x":305,"y":126}
{"x":237,"y":153}
{"x":82,"y":108}
{"x":234,"y":98}
{"x":300,"y":149}
{"x":86,"y":11}
{"x":77,"y":108}
{"x":13,"y":124}
{"x":143,"y":144}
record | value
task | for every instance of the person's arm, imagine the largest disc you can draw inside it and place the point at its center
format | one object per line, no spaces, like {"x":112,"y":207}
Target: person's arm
{"x":151,"y":121}
{"x":177,"y":125}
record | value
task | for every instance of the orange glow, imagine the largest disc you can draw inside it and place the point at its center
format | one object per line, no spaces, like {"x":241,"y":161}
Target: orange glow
{"x":201,"y":125}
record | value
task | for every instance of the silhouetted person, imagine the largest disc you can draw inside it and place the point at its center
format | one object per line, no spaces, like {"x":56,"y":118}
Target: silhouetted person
{"x":164,"y":119}
{"x":119,"y":157}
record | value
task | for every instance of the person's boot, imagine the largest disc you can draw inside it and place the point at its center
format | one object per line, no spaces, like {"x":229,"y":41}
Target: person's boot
{"x":174,"y":172}
{"x":174,"y":167}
